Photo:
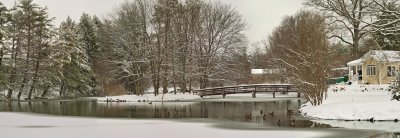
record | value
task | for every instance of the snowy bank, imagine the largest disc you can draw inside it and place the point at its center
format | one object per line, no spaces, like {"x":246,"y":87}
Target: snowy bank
{"x":363,"y":125}
{"x":354,"y":102}
{"x":149,"y":98}
{"x":15,"y":125}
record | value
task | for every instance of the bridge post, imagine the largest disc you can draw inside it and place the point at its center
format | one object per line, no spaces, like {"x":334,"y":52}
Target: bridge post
{"x":298,"y":95}
{"x":253,"y":94}
{"x":273,"y":94}
{"x":223,"y":93}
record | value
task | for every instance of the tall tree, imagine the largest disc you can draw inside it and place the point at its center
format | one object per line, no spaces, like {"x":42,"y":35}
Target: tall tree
{"x":300,"y":44}
{"x":386,"y":30}
{"x":88,"y":29}
{"x":127,"y":40}
{"x":73,"y":60}
{"x":220,"y":36}
{"x":3,"y":22}
{"x":164,"y":13}
{"x":31,"y":26}
{"x":353,"y":17}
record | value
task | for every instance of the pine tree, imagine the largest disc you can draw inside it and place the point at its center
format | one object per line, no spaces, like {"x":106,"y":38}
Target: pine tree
{"x":3,"y":22}
{"x":73,"y":59}
{"x":30,"y":36}
{"x":89,"y":38}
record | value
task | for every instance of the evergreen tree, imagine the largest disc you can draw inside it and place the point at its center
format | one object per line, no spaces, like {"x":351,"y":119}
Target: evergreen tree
{"x":73,"y":58}
{"x":89,"y":38}
{"x":3,"y":21}
{"x":30,"y":36}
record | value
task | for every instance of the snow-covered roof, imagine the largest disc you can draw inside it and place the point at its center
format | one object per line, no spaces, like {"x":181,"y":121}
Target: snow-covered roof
{"x":342,"y":68}
{"x":384,"y":56}
{"x":378,"y":55}
{"x":257,"y":71}
{"x":265,"y":71}
{"x":355,"y":62}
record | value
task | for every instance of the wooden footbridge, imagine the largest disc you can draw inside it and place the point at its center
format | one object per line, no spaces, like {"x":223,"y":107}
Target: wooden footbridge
{"x":254,"y":89}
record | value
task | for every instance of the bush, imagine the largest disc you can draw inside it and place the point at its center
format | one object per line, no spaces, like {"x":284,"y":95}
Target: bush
{"x":396,"y":96}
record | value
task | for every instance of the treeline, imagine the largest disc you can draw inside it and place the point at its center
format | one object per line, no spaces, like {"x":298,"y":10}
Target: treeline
{"x":142,"y":44}
{"x":172,"y":43}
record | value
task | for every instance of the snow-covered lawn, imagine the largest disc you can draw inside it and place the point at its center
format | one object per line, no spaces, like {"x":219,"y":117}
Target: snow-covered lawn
{"x":353,"y":102}
{"x":16,"y":125}
{"x":150,"y":97}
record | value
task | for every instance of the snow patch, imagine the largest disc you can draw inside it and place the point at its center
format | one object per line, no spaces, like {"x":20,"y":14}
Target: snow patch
{"x":354,"y":102}
{"x":149,"y":98}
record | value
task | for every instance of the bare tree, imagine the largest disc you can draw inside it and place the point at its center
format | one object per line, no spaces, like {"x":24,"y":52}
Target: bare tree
{"x":300,"y":44}
{"x":221,"y":35}
{"x":388,"y":15}
{"x":127,"y":40}
{"x":352,"y":18}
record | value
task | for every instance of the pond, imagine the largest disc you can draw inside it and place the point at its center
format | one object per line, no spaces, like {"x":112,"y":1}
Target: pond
{"x":277,"y":114}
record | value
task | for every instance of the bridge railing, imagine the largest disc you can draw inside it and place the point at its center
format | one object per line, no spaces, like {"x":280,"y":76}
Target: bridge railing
{"x":259,"y":88}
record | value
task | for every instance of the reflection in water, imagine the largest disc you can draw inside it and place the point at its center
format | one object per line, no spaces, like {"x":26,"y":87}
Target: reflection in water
{"x":273,"y":113}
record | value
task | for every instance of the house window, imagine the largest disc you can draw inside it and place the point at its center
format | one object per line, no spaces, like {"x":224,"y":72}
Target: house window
{"x":391,"y":71}
{"x":371,"y":70}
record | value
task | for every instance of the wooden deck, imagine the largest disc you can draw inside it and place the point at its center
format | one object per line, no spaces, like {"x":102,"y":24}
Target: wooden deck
{"x":254,"y":89}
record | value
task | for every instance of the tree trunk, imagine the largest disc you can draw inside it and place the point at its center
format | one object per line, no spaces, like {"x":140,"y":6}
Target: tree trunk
{"x":34,"y":79}
{"x":45,"y":91}
{"x":12,"y":77}
{"x":165,"y":81}
{"x":1,"y":55}
{"x":21,"y":88}
{"x":62,"y":88}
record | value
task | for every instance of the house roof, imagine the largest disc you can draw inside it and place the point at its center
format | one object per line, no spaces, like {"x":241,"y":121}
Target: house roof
{"x":355,"y":62}
{"x":265,"y":71}
{"x":257,"y":71}
{"x":378,"y":55}
{"x":384,"y":56}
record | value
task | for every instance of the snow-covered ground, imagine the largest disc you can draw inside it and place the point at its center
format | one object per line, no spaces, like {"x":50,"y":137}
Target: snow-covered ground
{"x":353,"y":102}
{"x":50,"y":95}
{"x":16,"y":125}
{"x":363,"y":125}
{"x":150,"y":97}
{"x":193,"y":97}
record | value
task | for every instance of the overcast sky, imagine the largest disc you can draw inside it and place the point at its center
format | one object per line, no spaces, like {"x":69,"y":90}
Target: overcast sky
{"x":261,"y":15}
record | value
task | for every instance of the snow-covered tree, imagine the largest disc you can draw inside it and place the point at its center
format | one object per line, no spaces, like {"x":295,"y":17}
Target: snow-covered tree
{"x":4,"y":15}
{"x":350,"y":19}
{"x":300,"y":44}
{"x":29,"y":36}
{"x":219,"y":38}
{"x":126,"y":41}
{"x":386,"y":30}
{"x":72,"y":60}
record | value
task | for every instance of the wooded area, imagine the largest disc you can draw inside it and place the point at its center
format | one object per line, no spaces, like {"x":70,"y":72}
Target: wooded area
{"x":187,"y":44}
{"x":142,"y":44}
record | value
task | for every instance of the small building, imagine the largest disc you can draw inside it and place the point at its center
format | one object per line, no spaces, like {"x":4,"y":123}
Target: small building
{"x":375,"y":67}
